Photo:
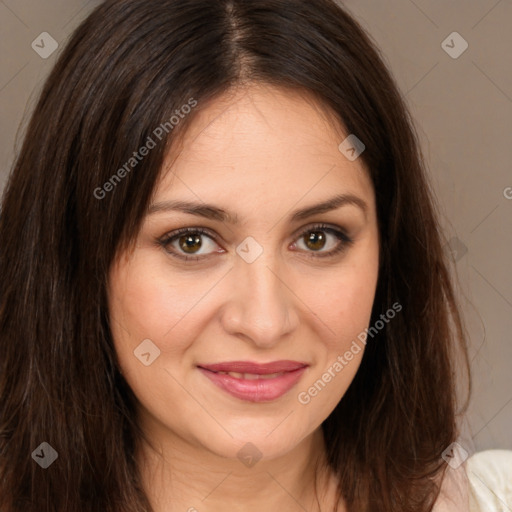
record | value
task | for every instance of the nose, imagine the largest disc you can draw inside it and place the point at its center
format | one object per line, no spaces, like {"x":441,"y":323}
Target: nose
{"x":262,"y":306}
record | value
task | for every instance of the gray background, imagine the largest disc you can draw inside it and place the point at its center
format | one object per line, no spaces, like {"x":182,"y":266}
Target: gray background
{"x":463,"y":111}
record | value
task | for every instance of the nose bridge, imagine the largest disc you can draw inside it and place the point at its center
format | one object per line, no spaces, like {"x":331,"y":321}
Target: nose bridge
{"x":262,"y":306}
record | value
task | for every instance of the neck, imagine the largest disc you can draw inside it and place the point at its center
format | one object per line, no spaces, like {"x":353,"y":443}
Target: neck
{"x":180,"y":476}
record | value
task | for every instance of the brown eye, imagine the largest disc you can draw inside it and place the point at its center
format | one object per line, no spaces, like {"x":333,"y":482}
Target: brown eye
{"x":323,"y":241}
{"x":198,"y":243}
{"x":314,"y":240}
{"x":190,"y":243}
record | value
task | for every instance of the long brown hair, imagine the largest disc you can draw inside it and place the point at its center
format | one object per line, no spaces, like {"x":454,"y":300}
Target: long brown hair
{"x":126,"y":70}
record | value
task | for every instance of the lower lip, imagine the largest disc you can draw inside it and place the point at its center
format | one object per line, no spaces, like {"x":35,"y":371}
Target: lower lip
{"x":258,"y":390}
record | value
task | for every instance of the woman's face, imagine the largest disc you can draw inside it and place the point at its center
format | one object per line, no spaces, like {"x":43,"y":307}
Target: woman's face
{"x":263,"y":283}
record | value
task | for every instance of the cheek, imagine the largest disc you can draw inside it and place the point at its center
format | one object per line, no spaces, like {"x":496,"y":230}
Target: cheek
{"x":144,"y":302}
{"x":139,"y":309}
{"x":344,"y":309}
{"x":351,"y":308}
{"x":343,"y":296}
{"x":340,"y":347}
{"x":345,"y":304}
{"x":149,"y":301}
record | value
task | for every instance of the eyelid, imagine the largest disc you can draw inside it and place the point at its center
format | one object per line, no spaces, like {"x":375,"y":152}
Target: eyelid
{"x":344,"y":240}
{"x":171,"y":236}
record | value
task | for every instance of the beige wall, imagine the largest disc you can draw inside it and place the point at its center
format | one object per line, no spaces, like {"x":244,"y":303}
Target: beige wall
{"x":463,"y":109}
{"x":463,"y":112}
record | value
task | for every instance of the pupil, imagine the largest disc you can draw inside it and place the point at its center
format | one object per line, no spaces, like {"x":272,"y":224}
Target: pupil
{"x":315,"y":240}
{"x":187,"y":243}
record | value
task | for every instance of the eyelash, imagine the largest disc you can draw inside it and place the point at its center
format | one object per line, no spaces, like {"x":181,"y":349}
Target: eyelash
{"x":345,"y":240}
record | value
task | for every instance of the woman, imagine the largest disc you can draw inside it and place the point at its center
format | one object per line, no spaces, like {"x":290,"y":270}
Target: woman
{"x":224,"y":281}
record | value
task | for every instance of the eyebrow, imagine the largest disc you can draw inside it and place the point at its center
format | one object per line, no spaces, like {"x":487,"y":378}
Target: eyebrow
{"x":212,"y":212}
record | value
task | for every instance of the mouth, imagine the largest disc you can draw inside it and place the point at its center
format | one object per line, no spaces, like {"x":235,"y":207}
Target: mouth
{"x":255,"y":382}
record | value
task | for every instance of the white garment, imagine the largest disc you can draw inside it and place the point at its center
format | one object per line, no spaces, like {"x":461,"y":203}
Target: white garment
{"x":482,"y":484}
{"x":490,"y":481}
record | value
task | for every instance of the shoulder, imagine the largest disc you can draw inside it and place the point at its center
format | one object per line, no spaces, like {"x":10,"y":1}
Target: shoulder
{"x":482,"y":484}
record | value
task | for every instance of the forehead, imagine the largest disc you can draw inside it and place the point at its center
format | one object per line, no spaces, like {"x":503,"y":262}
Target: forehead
{"x":261,"y":141}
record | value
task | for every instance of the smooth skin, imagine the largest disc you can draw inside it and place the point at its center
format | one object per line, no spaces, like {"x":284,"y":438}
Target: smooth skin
{"x":260,"y":153}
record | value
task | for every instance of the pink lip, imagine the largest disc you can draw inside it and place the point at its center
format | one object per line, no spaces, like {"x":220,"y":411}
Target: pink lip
{"x":256,"y":368}
{"x":255,"y":390}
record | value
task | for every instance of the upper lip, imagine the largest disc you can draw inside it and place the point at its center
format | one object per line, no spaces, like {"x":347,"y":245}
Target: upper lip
{"x":254,"y":368}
